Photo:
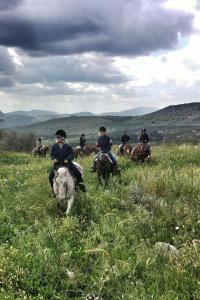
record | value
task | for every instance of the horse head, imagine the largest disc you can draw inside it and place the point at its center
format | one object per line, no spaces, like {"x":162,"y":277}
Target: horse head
{"x":63,"y":183}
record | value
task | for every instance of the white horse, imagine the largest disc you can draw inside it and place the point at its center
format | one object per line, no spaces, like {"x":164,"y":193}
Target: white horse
{"x":64,"y":187}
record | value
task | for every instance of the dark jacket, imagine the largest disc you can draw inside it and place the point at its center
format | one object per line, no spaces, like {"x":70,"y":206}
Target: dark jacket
{"x":144,"y":138}
{"x":104,"y":143}
{"x":82,"y":141}
{"x":62,"y":154}
{"x":125,"y":139}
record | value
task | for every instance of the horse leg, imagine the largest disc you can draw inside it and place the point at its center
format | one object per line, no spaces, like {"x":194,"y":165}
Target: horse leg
{"x":99,"y":177}
{"x":70,"y":202}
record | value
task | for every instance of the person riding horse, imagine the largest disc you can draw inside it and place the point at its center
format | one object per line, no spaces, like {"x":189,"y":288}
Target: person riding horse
{"x":125,"y":140}
{"x":39,"y":144}
{"x":144,"y":140}
{"x":82,"y":142}
{"x":61,"y":155}
{"x":104,"y":145}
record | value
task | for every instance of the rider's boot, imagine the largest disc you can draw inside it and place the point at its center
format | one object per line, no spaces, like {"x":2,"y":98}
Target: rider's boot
{"x":93,"y":169}
{"x":80,"y":184}
{"x":116,"y":169}
{"x":52,"y":194}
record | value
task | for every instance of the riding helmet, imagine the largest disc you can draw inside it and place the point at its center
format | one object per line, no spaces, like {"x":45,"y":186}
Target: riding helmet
{"x":61,"y":132}
{"x":102,"y":128}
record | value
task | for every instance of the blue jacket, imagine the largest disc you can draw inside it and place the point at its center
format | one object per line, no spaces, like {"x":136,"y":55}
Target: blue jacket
{"x":105,"y":143}
{"x":61,"y":154}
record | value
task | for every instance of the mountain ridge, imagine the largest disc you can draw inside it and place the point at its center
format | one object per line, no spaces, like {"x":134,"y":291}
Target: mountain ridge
{"x":23,"y":118}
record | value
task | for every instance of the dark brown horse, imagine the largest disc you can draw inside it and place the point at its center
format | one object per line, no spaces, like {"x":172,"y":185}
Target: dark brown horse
{"x":104,"y":167}
{"x":141,"y":152}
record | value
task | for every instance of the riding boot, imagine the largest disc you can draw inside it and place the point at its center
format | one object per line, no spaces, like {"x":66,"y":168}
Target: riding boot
{"x":93,"y":169}
{"x":53,"y":195}
{"x":80,"y":184}
{"x":115,"y":168}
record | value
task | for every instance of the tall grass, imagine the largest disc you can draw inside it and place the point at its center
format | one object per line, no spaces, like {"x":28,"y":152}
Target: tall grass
{"x":106,"y":248}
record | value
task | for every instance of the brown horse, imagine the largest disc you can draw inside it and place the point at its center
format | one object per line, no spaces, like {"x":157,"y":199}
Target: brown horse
{"x":41,"y":151}
{"x":141,"y":152}
{"x":104,"y":167}
{"x":126,"y":150}
{"x":90,"y":148}
{"x":77,"y":151}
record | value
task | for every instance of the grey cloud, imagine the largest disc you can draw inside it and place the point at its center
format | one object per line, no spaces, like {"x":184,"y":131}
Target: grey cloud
{"x":8,"y":4}
{"x":69,"y":69}
{"x":7,"y":68}
{"x":68,"y":27}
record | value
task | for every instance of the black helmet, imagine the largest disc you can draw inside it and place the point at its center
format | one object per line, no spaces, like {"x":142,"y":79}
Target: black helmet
{"x":144,"y":129}
{"x":82,"y":134}
{"x":39,"y":139}
{"x":102,"y":128}
{"x":61,"y":132}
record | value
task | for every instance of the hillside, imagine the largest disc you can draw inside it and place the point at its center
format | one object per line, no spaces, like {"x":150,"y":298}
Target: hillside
{"x":171,"y":122}
{"x":105,"y":249}
{"x":132,"y":112}
{"x":24,"y":118}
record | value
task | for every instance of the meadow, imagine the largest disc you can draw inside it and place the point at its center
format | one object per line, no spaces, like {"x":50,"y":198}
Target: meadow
{"x":106,"y":248}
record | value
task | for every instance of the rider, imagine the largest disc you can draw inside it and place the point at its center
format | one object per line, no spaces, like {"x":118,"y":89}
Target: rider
{"x":39,"y":144}
{"x":62,"y":154}
{"x":82,"y":142}
{"x":104,"y":145}
{"x":125,"y":140}
{"x":144,"y":139}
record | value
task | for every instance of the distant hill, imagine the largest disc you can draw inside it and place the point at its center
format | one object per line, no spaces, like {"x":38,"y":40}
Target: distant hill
{"x":23,"y":118}
{"x":1,"y":116}
{"x":83,"y":114}
{"x":138,"y":111}
{"x":171,"y":121}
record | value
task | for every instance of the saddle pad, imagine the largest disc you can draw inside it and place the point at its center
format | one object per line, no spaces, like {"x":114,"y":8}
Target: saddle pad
{"x":78,"y":167}
{"x":106,"y":155}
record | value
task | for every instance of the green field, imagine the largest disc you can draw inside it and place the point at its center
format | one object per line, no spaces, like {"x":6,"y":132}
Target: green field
{"x":106,"y":248}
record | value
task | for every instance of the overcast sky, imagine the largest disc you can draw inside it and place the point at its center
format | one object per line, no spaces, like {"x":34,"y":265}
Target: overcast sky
{"x":91,"y":55}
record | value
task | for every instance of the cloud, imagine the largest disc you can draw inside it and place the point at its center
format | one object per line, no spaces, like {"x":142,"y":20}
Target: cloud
{"x":7,"y":68}
{"x":85,"y":68}
{"x":62,"y":27}
{"x":8,"y":4}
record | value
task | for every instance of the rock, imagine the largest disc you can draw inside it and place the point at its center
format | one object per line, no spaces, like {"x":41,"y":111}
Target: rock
{"x":166,"y":247}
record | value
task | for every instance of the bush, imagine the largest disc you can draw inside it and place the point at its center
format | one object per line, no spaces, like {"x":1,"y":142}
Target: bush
{"x":14,"y":141}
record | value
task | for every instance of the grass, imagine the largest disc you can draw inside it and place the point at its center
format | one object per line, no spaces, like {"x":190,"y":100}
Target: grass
{"x":106,"y":248}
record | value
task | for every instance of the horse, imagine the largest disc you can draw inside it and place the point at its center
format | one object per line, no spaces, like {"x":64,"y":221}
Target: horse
{"x":77,"y":151}
{"x":140,"y":153}
{"x":126,"y":150}
{"x":90,"y":148}
{"x":104,"y":167}
{"x":64,"y":187}
{"x":41,"y":151}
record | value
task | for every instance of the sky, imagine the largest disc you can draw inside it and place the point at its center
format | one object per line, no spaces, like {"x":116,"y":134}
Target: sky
{"x":88,"y":55}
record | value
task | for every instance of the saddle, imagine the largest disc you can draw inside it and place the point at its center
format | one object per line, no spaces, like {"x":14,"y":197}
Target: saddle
{"x":104,"y":153}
